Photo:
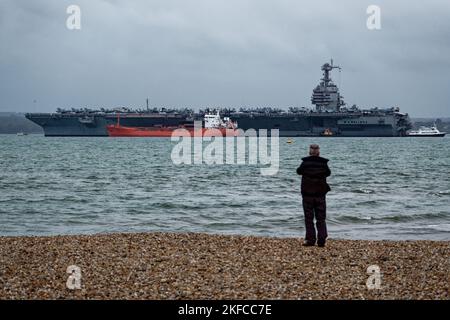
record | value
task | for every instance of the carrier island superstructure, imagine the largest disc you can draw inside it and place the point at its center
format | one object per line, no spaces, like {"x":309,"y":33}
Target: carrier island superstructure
{"x":329,"y":117}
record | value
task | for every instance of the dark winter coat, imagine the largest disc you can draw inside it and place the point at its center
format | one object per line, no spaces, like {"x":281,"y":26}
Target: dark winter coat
{"x":314,"y":171}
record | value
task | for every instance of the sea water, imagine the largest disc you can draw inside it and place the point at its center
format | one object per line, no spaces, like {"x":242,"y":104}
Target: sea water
{"x":382,"y":188}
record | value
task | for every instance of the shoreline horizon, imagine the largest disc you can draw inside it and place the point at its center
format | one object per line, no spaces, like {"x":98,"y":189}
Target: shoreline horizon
{"x":212,"y":234}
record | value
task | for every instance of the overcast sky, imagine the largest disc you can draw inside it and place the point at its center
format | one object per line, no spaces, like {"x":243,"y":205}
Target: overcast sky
{"x":228,"y":53}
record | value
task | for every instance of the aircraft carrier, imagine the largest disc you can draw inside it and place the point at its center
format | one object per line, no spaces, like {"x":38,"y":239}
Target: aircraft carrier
{"x":329,"y":117}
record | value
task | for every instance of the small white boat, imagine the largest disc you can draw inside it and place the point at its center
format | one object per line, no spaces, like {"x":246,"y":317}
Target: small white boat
{"x":427,"y":132}
{"x":22,"y":133}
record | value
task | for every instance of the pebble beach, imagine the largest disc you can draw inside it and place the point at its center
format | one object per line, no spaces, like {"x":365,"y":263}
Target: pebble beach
{"x":205,"y":266}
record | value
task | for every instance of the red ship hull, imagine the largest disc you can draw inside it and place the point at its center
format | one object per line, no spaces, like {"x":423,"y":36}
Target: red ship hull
{"x":121,"y":131}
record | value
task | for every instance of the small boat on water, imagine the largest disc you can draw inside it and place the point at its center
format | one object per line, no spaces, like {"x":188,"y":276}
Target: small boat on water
{"x":327,"y":133}
{"x":213,"y":126}
{"x":20,"y":134}
{"x":427,"y":132}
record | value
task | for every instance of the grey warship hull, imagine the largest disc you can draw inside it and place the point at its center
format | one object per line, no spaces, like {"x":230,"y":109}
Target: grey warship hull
{"x":339,"y":124}
{"x":94,"y":124}
{"x":288,"y":124}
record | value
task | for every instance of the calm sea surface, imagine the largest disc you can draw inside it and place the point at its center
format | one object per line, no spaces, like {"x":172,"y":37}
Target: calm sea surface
{"x":382,"y":188}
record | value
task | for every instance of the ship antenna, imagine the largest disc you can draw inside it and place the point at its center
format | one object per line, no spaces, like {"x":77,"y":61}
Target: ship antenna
{"x":147,"y":106}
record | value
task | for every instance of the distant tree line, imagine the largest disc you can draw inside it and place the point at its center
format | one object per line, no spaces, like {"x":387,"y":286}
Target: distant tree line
{"x":16,"y":122}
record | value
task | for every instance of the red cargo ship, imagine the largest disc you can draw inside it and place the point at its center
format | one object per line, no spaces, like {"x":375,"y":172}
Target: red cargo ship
{"x":214,"y":126}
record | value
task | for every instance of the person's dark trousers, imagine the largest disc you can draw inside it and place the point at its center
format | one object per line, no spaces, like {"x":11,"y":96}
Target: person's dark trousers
{"x":315,"y":207}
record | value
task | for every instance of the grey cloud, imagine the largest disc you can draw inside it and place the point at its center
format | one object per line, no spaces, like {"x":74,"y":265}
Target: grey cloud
{"x":223,"y":53}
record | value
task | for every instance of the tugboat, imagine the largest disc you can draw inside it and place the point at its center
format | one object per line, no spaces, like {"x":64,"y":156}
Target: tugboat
{"x":213,"y":126}
{"x":427,"y":132}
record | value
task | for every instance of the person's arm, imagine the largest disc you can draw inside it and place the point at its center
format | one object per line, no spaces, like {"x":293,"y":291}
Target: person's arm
{"x":300,"y":169}
{"x":328,"y":171}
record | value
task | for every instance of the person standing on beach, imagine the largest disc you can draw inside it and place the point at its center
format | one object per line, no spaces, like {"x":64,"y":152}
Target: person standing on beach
{"x":314,"y":171}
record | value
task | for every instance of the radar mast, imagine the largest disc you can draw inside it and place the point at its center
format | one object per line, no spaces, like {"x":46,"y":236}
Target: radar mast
{"x":326,"y":95}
